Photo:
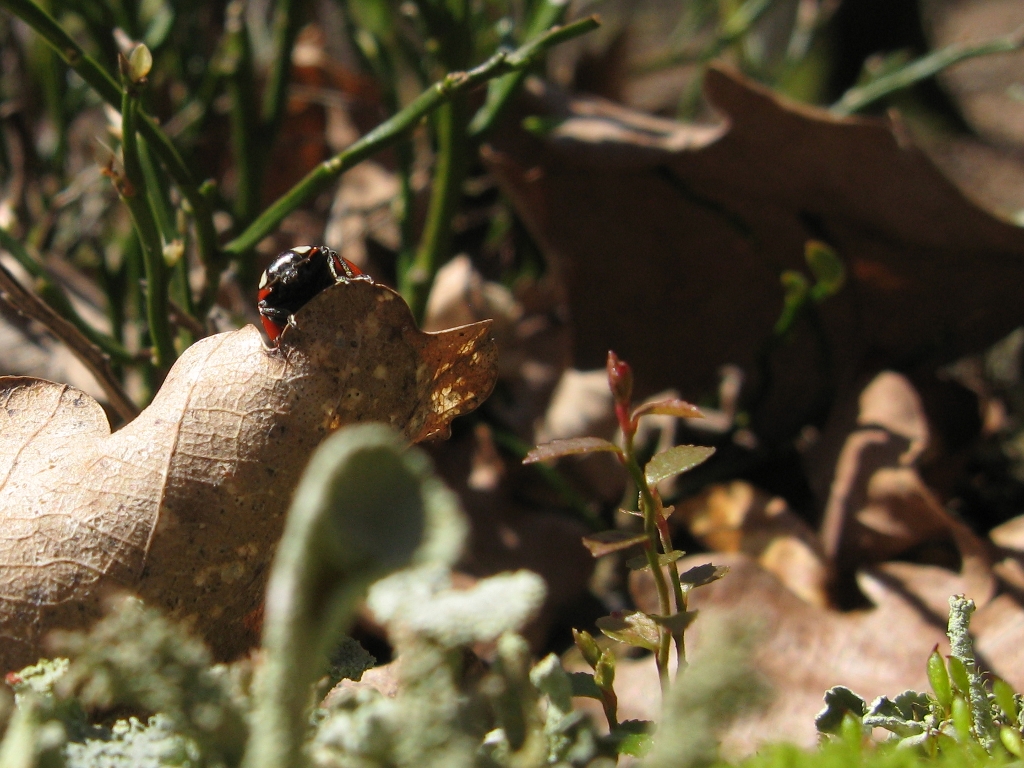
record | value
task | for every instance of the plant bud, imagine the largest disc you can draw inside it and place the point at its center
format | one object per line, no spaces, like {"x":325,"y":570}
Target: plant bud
{"x":588,"y":646}
{"x":620,"y":379}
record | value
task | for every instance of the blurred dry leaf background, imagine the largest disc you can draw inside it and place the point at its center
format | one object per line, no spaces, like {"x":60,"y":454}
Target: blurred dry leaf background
{"x":870,"y":458}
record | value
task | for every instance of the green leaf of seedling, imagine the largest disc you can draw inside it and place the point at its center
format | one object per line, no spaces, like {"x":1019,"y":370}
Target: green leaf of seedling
{"x":541,"y":126}
{"x":677,"y":622}
{"x":795,"y":291}
{"x":839,"y":701}
{"x":632,"y":737}
{"x":140,"y":62}
{"x":632,"y":628}
{"x":1004,"y":696}
{"x":673,"y":407}
{"x":958,"y":674}
{"x":701,"y":575}
{"x":588,"y":646}
{"x":1011,"y":739}
{"x":604,"y":672}
{"x":574,"y":445}
{"x":939,"y":679}
{"x":606,"y":542}
{"x":640,"y":563}
{"x":583,"y":685}
{"x":961,"y":714}
{"x":827,"y":268}
{"x":674,"y":461}
{"x":851,"y":731}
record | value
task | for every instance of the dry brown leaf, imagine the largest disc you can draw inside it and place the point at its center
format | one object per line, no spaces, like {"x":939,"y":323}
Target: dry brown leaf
{"x":1009,"y":539}
{"x":529,"y":329}
{"x":741,"y":518}
{"x":803,"y":649}
{"x":878,"y":506}
{"x":185,"y":504}
{"x":382,"y":679}
{"x":988,"y":89}
{"x":997,"y":629}
{"x":672,"y":239}
{"x":991,"y":176}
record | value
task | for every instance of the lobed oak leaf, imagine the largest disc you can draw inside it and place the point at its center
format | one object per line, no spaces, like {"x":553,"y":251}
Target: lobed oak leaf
{"x":185,"y":504}
{"x":627,"y":206}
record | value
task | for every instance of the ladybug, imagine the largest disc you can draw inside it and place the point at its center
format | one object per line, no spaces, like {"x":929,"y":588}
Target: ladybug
{"x":295,"y":277}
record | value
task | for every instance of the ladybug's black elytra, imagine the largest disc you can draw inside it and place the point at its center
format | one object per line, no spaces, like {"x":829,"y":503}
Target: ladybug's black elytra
{"x":295,"y":277}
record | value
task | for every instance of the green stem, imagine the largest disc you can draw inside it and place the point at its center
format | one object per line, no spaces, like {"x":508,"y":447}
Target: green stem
{"x":856,"y":99}
{"x":156,"y":186}
{"x":58,"y":300}
{"x":391,"y":131}
{"x":648,"y":507}
{"x":501,"y":90}
{"x":244,"y":127}
{"x":135,"y":197}
{"x":287,"y":19}
{"x":202,"y":213}
{"x":673,"y":573}
{"x":99,"y":20}
{"x":52,"y":77}
{"x":407,"y":228}
{"x":733,"y":28}
{"x":104,"y":84}
{"x":435,"y":244}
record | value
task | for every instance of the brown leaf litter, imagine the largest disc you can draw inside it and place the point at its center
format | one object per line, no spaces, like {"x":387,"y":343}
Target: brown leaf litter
{"x":671,"y":239}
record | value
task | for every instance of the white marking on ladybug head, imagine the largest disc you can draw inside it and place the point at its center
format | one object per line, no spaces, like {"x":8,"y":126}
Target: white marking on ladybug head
{"x":263,"y":281}
{"x":302,"y":250}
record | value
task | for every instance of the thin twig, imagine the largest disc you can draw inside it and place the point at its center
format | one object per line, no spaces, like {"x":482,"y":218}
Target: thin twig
{"x":31,"y":306}
{"x":245,"y":129}
{"x":133,"y":192}
{"x":182,"y":319}
{"x":860,"y":97}
{"x":387,"y":133}
{"x":106,"y":86}
{"x":501,"y":90}
{"x":414,"y":283}
{"x":287,"y":19}
{"x":56,"y":298}
{"x":735,"y":27}
{"x":649,"y":509}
